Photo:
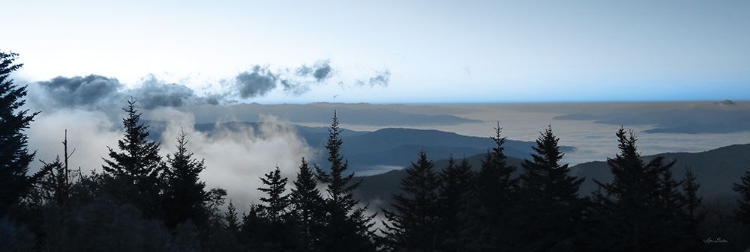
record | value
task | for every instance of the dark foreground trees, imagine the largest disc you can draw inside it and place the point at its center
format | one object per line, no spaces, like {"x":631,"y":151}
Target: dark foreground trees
{"x":548,"y":194}
{"x":347,"y":225}
{"x":743,"y":209}
{"x":413,"y":225}
{"x":489,"y":218}
{"x":642,"y":208}
{"x":185,"y":197}
{"x":136,"y":171}
{"x":14,"y":156}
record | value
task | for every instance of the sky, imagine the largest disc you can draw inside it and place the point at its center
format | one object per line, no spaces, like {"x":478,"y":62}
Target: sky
{"x":394,"y":51}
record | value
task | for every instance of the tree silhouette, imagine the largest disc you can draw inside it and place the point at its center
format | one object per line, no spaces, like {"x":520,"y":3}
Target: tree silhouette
{"x":270,"y":223}
{"x":185,"y":197}
{"x":453,"y":193}
{"x":136,"y":172}
{"x":550,"y":207}
{"x":692,"y":202}
{"x":413,"y":225}
{"x":232,"y":221}
{"x":743,"y":208}
{"x":308,"y":207}
{"x":636,"y":212}
{"x":490,"y":225}
{"x":346,"y":228}
{"x":277,"y":203}
{"x":14,"y":155}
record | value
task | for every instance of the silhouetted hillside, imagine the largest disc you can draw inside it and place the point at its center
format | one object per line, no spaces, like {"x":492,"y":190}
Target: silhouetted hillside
{"x":379,"y":189}
{"x":716,"y":169}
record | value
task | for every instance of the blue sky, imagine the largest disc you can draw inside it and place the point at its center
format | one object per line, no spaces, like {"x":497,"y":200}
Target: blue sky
{"x":433,"y":51}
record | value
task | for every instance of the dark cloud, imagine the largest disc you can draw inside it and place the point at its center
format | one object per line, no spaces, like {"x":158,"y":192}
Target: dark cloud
{"x":382,"y":79}
{"x":154,"y":93}
{"x":94,"y":91}
{"x":321,"y":71}
{"x":295,"y":88}
{"x":257,"y":82}
{"x":80,"y":91}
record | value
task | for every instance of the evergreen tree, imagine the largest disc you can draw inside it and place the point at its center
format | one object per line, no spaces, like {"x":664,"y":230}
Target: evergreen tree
{"x":550,"y":207}
{"x":672,"y":217}
{"x":346,"y":228}
{"x":454,"y":187}
{"x":269,"y":226}
{"x":743,"y":209}
{"x":277,"y":203}
{"x":692,"y":202}
{"x":633,"y":209}
{"x":136,"y":172}
{"x":185,"y":197}
{"x":233,"y":224}
{"x":490,"y":224}
{"x":413,"y":225}
{"x":14,"y":155}
{"x":308,"y":204}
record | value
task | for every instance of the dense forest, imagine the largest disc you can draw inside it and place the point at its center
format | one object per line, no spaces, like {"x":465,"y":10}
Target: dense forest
{"x":142,"y":201}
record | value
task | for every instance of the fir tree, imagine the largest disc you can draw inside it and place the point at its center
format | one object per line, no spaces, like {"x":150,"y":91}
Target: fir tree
{"x":346,"y":228}
{"x":230,"y":217}
{"x":672,"y":217}
{"x":743,"y":209}
{"x":185,"y":197}
{"x":489,"y":219}
{"x":14,"y":155}
{"x":633,"y":208}
{"x":136,"y":171}
{"x":277,"y":203}
{"x":690,"y":188}
{"x":308,"y":206}
{"x":270,"y":223}
{"x":413,"y":225}
{"x":453,"y":192}
{"x":549,"y":197}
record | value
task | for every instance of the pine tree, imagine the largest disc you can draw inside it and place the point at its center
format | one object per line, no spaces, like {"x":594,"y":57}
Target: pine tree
{"x":413,"y":223}
{"x":693,"y":218}
{"x":549,"y":197}
{"x":490,"y":224}
{"x":633,"y":205}
{"x":454,"y":188}
{"x":672,"y":217}
{"x":136,"y":172}
{"x":185,"y":197}
{"x":233,"y":223}
{"x":269,"y":226}
{"x":308,"y":204}
{"x":14,"y":155}
{"x":346,"y":228}
{"x":743,"y":209}
{"x":277,"y":203}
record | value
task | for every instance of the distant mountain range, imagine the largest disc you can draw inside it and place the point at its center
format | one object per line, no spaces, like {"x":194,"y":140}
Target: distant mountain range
{"x":716,"y":170}
{"x":388,"y":150}
{"x":369,"y":152}
{"x":720,"y":117}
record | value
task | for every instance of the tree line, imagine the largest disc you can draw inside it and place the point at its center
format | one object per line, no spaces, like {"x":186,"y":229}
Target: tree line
{"x":141,"y":201}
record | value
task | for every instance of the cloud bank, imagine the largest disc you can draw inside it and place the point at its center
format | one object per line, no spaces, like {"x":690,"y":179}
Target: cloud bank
{"x":95,"y":92}
{"x":234,"y":159}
